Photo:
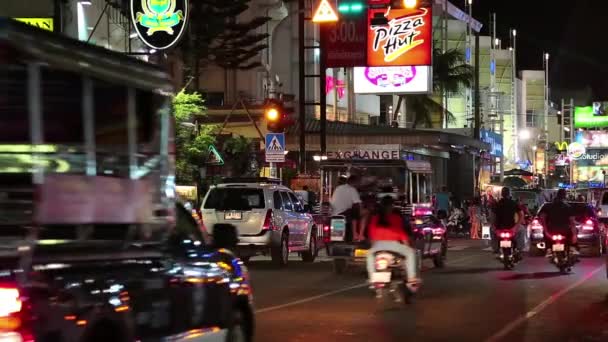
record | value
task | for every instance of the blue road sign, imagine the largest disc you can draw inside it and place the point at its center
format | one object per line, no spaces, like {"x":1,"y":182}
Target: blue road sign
{"x":275,"y":147}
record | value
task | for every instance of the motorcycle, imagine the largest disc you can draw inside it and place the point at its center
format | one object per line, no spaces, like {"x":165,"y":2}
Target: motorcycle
{"x":562,"y":255}
{"x":457,"y":222}
{"x":390,"y":278}
{"x":509,"y":254}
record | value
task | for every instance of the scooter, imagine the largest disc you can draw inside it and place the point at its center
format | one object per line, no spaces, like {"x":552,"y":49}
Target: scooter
{"x":457,"y":222}
{"x":509,"y":254}
{"x":390,"y":278}
{"x":562,"y":257}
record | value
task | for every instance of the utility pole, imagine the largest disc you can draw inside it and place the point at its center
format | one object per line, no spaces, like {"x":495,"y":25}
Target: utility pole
{"x":477,"y":101}
{"x":301,"y":85}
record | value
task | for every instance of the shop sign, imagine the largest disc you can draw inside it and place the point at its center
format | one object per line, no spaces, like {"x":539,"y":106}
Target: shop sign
{"x":393,"y":80}
{"x":592,"y":116}
{"x":159,"y":23}
{"x":398,"y":37}
{"x":41,"y":23}
{"x":494,"y":140}
{"x":344,"y":42}
{"x":592,"y":139}
{"x":367,"y":152}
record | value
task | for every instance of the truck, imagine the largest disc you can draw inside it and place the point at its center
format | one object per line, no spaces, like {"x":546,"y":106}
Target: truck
{"x":93,"y":245}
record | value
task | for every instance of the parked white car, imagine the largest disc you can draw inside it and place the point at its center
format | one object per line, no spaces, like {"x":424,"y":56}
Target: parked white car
{"x":269,"y":217}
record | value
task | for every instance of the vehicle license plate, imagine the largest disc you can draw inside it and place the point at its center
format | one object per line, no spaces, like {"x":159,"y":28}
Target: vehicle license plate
{"x":233,"y":215}
{"x":505,"y":244}
{"x":360,"y":253}
{"x":558,"y":247}
{"x":381,"y":277}
{"x":338,"y":229}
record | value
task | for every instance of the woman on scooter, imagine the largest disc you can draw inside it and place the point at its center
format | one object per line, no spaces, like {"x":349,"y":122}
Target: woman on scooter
{"x":387,"y":233}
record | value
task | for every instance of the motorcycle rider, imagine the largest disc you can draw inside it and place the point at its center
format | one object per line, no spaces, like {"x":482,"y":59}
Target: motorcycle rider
{"x":507,"y":214}
{"x":557,"y":218}
{"x":387,"y":233}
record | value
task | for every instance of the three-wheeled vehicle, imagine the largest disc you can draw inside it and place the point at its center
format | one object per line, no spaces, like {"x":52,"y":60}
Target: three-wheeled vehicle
{"x":428,"y":233}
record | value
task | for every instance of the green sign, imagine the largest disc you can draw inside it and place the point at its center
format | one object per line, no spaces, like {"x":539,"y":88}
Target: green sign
{"x":587,"y":117}
{"x":214,"y":157}
{"x":159,"y":23}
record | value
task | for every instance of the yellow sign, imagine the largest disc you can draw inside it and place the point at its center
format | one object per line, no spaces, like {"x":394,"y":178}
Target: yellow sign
{"x":561,"y":146}
{"x":42,"y":23}
{"x":325,"y":13}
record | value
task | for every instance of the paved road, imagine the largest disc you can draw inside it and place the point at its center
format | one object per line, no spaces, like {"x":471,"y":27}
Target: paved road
{"x":472,"y":299}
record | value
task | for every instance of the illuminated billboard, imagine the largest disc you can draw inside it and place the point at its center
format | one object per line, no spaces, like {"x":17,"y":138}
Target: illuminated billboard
{"x":393,"y":80}
{"x":595,"y":116}
{"x":398,"y":37}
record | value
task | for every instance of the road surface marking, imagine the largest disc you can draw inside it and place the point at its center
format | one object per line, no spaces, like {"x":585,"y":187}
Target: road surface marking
{"x":309,"y":299}
{"x":327,"y":294}
{"x":540,"y":307}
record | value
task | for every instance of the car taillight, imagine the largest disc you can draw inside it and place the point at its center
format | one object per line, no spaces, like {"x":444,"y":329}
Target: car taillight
{"x":558,"y":237}
{"x":505,"y":235}
{"x":10,"y":301}
{"x":268,"y":224}
{"x":588,"y":225}
{"x":325,"y":228}
{"x":381,"y":264}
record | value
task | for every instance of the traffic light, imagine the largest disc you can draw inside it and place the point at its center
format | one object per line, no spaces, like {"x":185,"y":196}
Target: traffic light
{"x":351,"y":7}
{"x":274,"y":115}
{"x":279,"y":113}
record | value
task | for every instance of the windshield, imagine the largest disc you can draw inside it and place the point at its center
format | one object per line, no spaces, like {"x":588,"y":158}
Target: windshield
{"x":234,"y":199}
{"x":582,"y":211}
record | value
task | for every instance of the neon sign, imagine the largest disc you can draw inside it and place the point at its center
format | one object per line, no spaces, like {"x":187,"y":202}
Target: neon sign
{"x":159,"y":23}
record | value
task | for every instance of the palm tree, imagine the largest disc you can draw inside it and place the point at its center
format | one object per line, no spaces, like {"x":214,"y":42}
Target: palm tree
{"x":450,"y":74}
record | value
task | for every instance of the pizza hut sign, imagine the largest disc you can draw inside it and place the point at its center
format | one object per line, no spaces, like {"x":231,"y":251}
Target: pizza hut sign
{"x":366,"y":152}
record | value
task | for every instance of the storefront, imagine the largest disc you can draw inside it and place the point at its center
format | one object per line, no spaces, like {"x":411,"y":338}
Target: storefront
{"x":424,"y":154}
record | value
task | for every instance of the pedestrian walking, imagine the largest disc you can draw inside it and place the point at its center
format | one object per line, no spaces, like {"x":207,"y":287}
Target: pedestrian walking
{"x":475,"y":217}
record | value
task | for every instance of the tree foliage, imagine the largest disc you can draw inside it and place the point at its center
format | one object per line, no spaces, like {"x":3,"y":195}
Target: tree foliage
{"x":217,"y":37}
{"x":450,"y":74}
{"x":191,"y":143}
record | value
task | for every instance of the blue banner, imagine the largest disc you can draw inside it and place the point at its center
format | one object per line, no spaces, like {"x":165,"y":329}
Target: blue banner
{"x":495,"y":141}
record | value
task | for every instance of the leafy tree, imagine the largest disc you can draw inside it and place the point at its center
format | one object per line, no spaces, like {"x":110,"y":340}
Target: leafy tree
{"x":191,"y":143}
{"x":237,"y":151}
{"x":450,"y":74}
{"x":215,"y":36}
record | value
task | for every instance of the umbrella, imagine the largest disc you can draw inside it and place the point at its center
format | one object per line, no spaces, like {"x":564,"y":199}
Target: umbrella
{"x":514,"y":182}
{"x":519,"y":172}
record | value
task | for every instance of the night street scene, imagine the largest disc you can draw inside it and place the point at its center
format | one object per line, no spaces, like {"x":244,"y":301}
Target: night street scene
{"x":303,"y":171}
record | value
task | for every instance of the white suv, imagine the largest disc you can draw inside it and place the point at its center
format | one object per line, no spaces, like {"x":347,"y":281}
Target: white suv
{"x":269,"y":217}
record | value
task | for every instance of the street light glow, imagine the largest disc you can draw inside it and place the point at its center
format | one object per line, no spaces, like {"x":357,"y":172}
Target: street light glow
{"x":524,"y":134}
{"x":410,"y":3}
{"x":547,"y":56}
{"x":567,"y":129}
{"x":514,"y":33}
{"x":272,"y":114}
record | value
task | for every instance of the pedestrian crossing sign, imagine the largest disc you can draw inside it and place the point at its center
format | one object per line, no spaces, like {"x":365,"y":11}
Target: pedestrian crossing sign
{"x":275,"y":147}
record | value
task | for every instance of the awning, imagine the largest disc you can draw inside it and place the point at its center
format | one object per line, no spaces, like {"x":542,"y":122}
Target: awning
{"x":419,"y":166}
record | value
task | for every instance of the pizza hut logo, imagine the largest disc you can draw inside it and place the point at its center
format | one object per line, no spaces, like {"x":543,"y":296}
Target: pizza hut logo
{"x":400,"y":35}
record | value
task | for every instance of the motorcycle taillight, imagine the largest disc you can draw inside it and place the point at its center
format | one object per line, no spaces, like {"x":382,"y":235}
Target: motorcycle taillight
{"x":557,"y":237}
{"x":505,"y":235}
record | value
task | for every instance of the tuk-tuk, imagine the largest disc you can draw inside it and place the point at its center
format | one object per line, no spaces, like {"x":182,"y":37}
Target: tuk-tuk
{"x":428,"y":234}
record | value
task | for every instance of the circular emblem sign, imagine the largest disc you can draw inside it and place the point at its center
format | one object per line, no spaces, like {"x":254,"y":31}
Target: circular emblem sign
{"x":159,"y":23}
{"x":576,"y":150}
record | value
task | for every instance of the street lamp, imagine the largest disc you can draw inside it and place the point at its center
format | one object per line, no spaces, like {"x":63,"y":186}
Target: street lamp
{"x":524,"y":134}
{"x":410,"y":3}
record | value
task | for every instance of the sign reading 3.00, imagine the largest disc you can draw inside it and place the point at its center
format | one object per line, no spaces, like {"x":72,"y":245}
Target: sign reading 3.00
{"x":344,"y":43}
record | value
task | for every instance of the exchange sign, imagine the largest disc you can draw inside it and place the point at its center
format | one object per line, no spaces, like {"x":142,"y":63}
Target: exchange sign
{"x":400,"y":37}
{"x":159,"y":23}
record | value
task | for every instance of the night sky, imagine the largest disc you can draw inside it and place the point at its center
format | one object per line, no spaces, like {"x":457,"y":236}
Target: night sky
{"x":574,"y":32}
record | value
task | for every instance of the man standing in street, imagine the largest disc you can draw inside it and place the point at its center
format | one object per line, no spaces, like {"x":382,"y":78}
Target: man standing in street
{"x":346,"y":201}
